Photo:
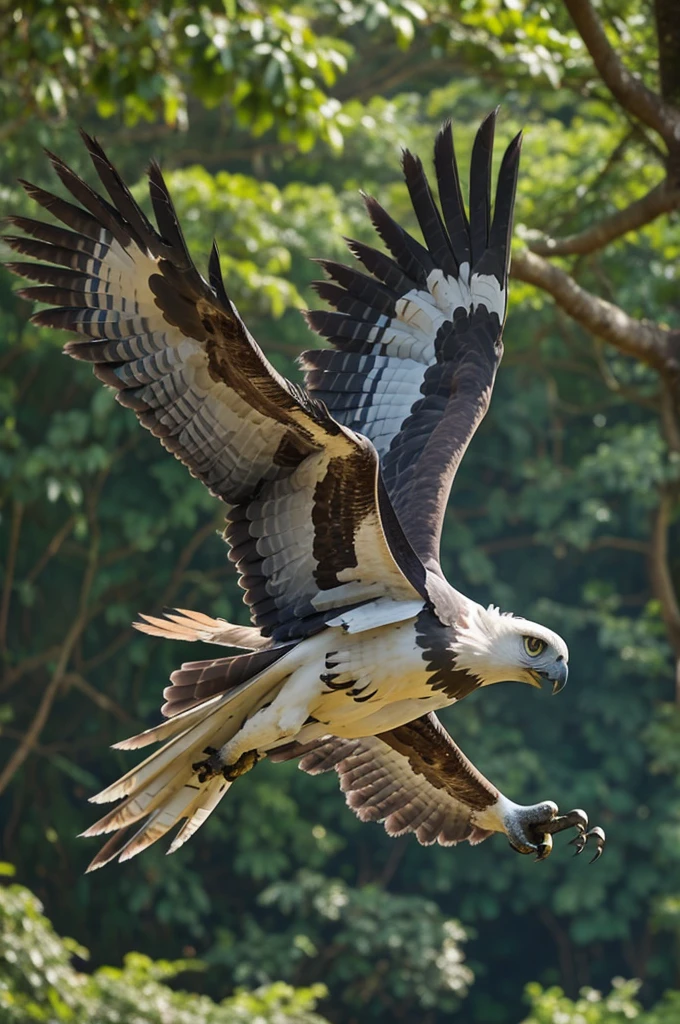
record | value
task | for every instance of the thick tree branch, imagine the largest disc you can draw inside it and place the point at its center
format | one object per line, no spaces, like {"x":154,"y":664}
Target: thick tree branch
{"x":661,"y":199}
{"x":653,"y":344}
{"x":630,"y":91}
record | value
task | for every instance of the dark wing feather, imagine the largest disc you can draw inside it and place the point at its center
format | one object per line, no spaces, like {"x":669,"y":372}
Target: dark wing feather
{"x":412,"y":779}
{"x":306,"y":519}
{"x":196,"y":681}
{"x":416,"y":347}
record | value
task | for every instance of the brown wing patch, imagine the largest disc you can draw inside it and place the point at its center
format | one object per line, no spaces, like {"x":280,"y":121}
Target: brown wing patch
{"x":432,"y":753}
{"x":413,"y":779}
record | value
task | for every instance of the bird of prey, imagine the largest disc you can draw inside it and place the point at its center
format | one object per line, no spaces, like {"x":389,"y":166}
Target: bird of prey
{"x":336,"y":495}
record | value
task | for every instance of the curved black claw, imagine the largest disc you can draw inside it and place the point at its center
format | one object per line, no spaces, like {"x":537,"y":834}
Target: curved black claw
{"x":577,"y":819}
{"x":209,"y":768}
{"x":544,"y":848}
{"x":597,"y":834}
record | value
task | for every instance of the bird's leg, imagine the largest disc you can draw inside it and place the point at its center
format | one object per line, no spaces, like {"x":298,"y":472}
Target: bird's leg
{"x":214,"y":765}
{"x":525,"y":828}
{"x":282,"y":718}
{"x":531,"y":830}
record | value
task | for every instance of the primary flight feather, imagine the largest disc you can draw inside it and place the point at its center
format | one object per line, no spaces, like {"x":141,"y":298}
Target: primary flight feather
{"x":336,"y":495}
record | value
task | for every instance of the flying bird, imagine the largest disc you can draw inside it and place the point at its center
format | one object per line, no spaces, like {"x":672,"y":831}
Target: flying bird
{"x":335,"y":497}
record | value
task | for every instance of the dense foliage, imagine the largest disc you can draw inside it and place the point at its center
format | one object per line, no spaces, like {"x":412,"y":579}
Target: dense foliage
{"x":554,"y":515}
{"x":40,"y":982}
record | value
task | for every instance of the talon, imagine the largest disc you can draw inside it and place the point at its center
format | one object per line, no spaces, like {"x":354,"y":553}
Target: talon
{"x":579,"y":842}
{"x":598,"y":834}
{"x":210,"y":766}
{"x":544,"y":848}
{"x":573,"y":819}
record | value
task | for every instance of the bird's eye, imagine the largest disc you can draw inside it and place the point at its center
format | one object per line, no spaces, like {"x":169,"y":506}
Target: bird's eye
{"x":533,"y":646}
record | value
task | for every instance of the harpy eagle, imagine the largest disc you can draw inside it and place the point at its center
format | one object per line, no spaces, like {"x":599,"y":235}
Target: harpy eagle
{"x":336,"y":496}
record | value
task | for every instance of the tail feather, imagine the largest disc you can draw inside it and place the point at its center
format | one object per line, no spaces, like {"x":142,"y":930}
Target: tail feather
{"x":187,"y":742}
{"x":183,"y":624}
{"x":164,"y":789}
{"x":169,"y":728}
{"x":200,"y":811}
{"x":165,"y":817}
{"x":134,"y":843}
{"x":140,"y":803}
{"x":109,"y":850}
{"x":170,"y":798}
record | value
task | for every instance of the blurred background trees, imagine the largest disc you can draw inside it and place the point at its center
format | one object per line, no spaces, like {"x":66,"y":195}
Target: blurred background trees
{"x":268,"y":118}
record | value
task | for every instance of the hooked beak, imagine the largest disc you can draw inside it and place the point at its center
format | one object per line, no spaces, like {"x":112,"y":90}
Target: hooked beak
{"x":557,"y":674}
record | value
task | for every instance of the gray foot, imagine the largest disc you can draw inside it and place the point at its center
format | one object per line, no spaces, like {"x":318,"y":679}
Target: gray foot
{"x":531,"y":830}
{"x":526,"y":828}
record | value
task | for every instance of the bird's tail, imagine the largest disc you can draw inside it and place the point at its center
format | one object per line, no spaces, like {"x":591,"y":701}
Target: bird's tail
{"x":164,"y":789}
{"x":183,"y":624}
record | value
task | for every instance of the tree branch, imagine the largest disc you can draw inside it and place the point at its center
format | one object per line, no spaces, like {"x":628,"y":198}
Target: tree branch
{"x":12,"y":547}
{"x":96,"y":696}
{"x":493,"y":547}
{"x":52,"y":548}
{"x":651,"y":343}
{"x":40,"y":718}
{"x":661,"y":199}
{"x":179,"y":573}
{"x":15,"y":672}
{"x":627,"y":89}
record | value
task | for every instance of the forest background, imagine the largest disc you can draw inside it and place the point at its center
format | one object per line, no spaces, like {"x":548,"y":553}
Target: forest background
{"x":268,"y":118}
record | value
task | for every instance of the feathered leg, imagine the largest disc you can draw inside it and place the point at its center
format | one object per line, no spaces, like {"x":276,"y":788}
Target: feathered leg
{"x":274,"y":723}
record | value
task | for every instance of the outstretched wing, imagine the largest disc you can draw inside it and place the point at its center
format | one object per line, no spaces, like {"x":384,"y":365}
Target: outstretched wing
{"x":416,"y":345}
{"x":308,"y":526}
{"x":412,"y":779}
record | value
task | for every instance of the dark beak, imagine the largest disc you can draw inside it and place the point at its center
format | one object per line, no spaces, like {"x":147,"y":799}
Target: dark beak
{"x":557,"y":675}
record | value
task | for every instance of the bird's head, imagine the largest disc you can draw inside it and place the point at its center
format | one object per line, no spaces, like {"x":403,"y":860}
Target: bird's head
{"x":498,"y":647}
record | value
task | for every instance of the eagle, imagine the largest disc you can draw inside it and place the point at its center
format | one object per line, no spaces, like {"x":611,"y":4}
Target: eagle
{"x":335,"y":496}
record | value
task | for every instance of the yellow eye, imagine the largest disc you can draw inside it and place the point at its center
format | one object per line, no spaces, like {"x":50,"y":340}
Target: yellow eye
{"x":533,"y":646}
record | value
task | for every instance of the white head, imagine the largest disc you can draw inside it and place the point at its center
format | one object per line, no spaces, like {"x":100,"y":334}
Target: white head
{"x":498,"y":647}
